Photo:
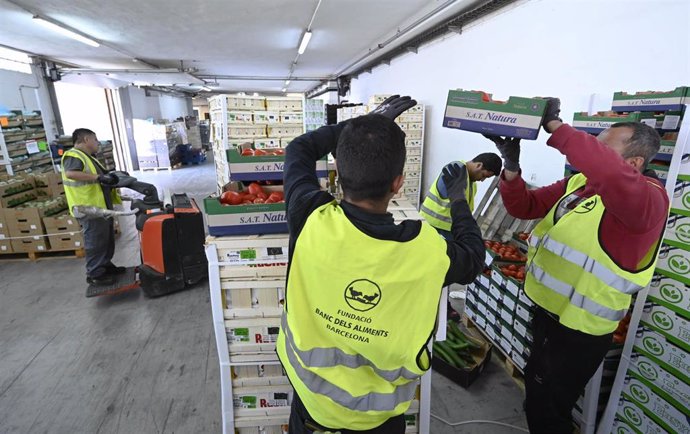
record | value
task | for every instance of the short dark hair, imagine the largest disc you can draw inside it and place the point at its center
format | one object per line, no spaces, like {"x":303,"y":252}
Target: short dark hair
{"x":80,"y":134}
{"x":370,"y":154}
{"x":490,"y":162}
{"x":644,"y":142}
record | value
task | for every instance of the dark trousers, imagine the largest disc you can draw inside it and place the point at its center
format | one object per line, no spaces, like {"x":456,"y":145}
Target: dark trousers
{"x":561,"y":363}
{"x":302,"y":423}
{"x":99,"y":243}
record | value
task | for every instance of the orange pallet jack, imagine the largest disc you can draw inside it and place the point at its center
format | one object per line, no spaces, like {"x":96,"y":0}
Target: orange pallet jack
{"x":171,"y":239}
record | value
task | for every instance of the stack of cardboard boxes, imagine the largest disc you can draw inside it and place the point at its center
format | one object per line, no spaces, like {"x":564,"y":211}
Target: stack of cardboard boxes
{"x":32,"y":207}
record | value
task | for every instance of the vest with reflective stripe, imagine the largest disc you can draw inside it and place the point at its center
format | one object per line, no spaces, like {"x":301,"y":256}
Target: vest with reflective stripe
{"x":436,"y":209}
{"x":570,"y":274}
{"x":359,"y":313}
{"x":88,"y":193}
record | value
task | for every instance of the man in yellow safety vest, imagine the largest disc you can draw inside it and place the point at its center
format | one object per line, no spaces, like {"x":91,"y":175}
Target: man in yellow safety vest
{"x":88,"y":183}
{"x":594,"y":248}
{"x":363,"y":292}
{"x":436,"y":207}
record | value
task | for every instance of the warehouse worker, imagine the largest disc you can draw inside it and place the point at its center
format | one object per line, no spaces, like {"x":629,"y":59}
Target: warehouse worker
{"x":363,"y":292}
{"x":595,"y":247}
{"x":88,"y":183}
{"x":436,"y":207}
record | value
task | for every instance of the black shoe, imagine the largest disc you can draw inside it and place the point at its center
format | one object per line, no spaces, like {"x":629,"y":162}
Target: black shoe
{"x":113,"y":269}
{"x":100,"y":280}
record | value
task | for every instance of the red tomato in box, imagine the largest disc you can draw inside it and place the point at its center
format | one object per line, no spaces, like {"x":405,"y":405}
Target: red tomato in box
{"x":247,"y":152}
{"x":259,"y":152}
{"x":277,"y":196}
{"x":231,"y":198}
{"x":254,"y":188}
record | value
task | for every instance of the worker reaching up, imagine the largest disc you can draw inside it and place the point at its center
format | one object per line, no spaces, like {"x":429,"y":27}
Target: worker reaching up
{"x":88,"y":183}
{"x":436,"y":206}
{"x":363,"y":292}
{"x":595,"y":247}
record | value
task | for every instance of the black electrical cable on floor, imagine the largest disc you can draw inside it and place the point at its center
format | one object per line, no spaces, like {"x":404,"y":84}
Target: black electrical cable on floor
{"x":471,"y":422}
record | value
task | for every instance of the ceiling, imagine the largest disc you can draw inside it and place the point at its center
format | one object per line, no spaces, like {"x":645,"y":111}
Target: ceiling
{"x":233,"y":44}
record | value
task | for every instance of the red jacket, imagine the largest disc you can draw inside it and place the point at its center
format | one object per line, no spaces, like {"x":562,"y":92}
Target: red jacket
{"x":636,"y":205}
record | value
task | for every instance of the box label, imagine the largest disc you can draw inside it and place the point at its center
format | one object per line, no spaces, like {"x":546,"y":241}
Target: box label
{"x":674,"y":389}
{"x":658,"y":409}
{"x":670,"y":293}
{"x":672,"y":358}
{"x":675,"y":328}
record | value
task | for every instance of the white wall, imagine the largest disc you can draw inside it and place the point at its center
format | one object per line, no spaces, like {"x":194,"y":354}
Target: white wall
{"x":565,"y":48}
{"x":157,"y":106}
{"x":173,"y":107}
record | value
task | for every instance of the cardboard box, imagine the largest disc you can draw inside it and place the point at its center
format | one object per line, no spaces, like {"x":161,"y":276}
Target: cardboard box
{"x":246,"y":131}
{"x":267,"y":143}
{"x":465,"y":378}
{"x":656,"y":408}
{"x":291,"y":118}
{"x":252,"y":335}
{"x":630,"y":419}
{"x":18,"y":198}
{"x":34,"y":244}
{"x":674,"y":262}
{"x":670,"y":357}
{"x":16,"y":185}
{"x":254,"y":219}
{"x":284,"y":104}
{"x":668,"y":323}
{"x":475,"y":111}
{"x":285,"y":130}
{"x":670,"y":293}
{"x":668,"y":120}
{"x":47,"y":179}
{"x":70,"y":241}
{"x":251,"y":299}
{"x":261,"y":397}
{"x":260,"y":168}
{"x":600,"y":121}
{"x":650,"y":100}
{"x":23,"y":222}
{"x":662,"y":382}
{"x":240,"y":117}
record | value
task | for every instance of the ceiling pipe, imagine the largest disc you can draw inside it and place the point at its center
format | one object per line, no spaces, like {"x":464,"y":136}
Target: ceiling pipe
{"x":258,"y":78}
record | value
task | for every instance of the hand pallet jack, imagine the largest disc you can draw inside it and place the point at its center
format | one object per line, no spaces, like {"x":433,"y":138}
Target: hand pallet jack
{"x":171,"y":239}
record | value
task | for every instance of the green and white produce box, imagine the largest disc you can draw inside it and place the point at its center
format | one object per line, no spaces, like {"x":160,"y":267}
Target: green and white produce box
{"x":674,"y":262}
{"x":668,"y":323}
{"x":654,"y":101}
{"x":670,"y":357}
{"x":630,"y":413}
{"x":476,"y":111}
{"x":662,"y":382}
{"x":665,"y":414}
{"x":598,"y":122}
{"x":670,"y":293}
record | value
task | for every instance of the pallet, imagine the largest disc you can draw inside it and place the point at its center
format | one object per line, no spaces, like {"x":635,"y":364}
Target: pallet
{"x":513,"y":370}
{"x":49,"y":254}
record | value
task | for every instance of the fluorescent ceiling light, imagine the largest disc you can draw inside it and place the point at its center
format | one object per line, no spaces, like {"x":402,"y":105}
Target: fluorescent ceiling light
{"x":66,"y":32}
{"x":206,"y":88}
{"x":284,"y":89}
{"x":287,"y":82}
{"x":305,"y":41}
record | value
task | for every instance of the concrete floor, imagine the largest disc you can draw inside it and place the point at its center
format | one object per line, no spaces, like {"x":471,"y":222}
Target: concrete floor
{"x":128,"y":364}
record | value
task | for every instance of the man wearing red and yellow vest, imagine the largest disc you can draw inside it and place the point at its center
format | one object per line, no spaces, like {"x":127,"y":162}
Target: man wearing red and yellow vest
{"x":88,"y":183}
{"x":436,"y":207}
{"x":595,"y":247}
{"x":363,"y":292}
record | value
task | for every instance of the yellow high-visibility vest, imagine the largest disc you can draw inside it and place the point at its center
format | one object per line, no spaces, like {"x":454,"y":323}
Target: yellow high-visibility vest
{"x":88,"y":193}
{"x":359,"y":314}
{"x":571,"y":275}
{"x":436,"y":209}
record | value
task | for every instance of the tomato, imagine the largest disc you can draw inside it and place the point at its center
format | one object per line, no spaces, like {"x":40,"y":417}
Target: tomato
{"x":262,"y":195}
{"x":521,"y":275}
{"x":255,"y":189}
{"x":231,"y":198}
{"x":269,"y":200}
{"x":279,"y":152}
{"x":258,"y":200}
{"x":277,"y":196}
{"x":487,"y":244}
{"x":247,"y":152}
{"x":247,"y":202}
{"x":259,"y":152}
{"x":512,"y":267}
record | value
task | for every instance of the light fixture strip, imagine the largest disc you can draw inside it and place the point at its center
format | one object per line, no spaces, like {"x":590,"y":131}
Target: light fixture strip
{"x":306,"y":37}
{"x":66,"y":32}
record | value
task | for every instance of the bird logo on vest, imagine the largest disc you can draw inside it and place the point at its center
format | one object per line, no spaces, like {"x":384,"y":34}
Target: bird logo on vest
{"x":362,"y":295}
{"x":586,"y":206}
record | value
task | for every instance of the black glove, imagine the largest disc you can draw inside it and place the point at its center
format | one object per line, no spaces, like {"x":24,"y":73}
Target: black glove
{"x":454,"y":177}
{"x":553,"y":109}
{"x":108,"y":179}
{"x":394,"y":106}
{"x":509,"y":148}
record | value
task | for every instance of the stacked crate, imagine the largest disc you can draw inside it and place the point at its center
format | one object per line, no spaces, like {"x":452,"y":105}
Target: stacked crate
{"x":412,"y":123}
{"x":247,"y":283}
{"x":653,"y":389}
{"x":25,"y":139}
{"x":314,"y":114}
